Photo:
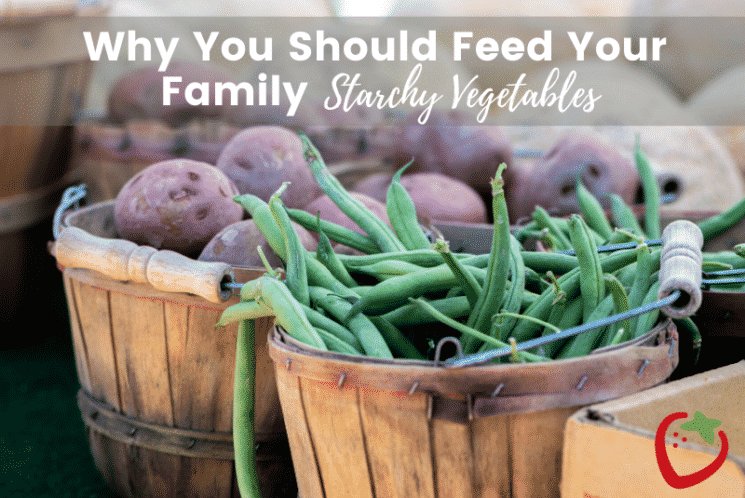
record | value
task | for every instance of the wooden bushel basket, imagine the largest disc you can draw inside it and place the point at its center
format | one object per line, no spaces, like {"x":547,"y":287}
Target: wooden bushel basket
{"x":43,"y":78}
{"x":157,"y":381}
{"x":369,"y":428}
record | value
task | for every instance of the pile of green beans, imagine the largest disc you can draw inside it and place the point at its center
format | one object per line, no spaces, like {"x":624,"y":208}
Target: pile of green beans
{"x":403,"y":292}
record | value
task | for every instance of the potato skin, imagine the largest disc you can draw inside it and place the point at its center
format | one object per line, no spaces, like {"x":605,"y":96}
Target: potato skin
{"x":260,"y":158}
{"x":551,"y":182}
{"x":139,"y":94}
{"x":454,"y":144}
{"x":375,"y":185}
{"x":441,"y":198}
{"x":178,"y":204}
{"x":236,"y":245}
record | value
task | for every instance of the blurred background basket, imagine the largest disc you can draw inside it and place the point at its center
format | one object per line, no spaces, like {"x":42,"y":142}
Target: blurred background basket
{"x":44,"y":73}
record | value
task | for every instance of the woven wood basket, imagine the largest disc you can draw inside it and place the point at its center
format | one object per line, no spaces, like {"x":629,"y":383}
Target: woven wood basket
{"x":44,"y":74}
{"x":157,"y":378}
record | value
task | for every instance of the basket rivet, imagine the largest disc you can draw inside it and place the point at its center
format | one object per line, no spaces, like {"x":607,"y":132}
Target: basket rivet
{"x":497,"y":390}
{"x":342,"y":378}
{"x":413,"y":387}
{"x":288,"y":363}
{"x":581,"y":383}
{"x":133,"y":431}
{"x":641,"y":368}
{"x":191,"y":443}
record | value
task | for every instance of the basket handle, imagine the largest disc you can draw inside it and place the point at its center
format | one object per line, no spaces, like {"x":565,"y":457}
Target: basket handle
{"x":680,"y":267}
{"x":124,"y":260}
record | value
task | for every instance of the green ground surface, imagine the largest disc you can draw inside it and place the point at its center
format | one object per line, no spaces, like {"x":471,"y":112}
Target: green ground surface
{"x":43,"y":447}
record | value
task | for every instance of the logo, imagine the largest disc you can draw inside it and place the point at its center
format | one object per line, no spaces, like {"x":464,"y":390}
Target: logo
{"x":705,"y":427}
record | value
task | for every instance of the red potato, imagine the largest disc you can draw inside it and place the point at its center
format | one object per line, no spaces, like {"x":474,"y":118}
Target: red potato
{"x":375,"y":186}
{"x":236,"y":245}
{"x":551,"y":183}
{"x":260,"y":158}
{"x":139,"y":94}
{"x":454,"y":144}
{"x":442,"y":198}
{"x":178,"y":204}
{"x":436,"y":196}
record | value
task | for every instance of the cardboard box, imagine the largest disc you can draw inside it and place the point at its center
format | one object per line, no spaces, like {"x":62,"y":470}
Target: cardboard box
{"x":610,"y":451}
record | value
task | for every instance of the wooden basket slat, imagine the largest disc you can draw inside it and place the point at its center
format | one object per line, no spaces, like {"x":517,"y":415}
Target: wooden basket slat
{"x":302,"y":448}
{"x":491,"y":455}
{"x":384,"y":414}
{"x":333,"y":418}
{"x":81,"y":356}
{"x":453,"y":458}
{"x":93,"y":313}
{"x":142,"y":359}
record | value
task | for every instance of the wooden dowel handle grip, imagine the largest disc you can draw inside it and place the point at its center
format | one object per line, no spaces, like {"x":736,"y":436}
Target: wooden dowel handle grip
{"x":123,"y":260}
{"x":680,"y":267}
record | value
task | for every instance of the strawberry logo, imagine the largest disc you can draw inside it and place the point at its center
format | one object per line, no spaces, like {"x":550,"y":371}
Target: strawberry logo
{"x":705,"y":427}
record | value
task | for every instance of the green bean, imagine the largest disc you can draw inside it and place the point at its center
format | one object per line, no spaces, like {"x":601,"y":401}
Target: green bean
{"x":620,"y":236}
{"x":245,"y":310}
{"x":645,"y":322}
{"x":394,"y":292}
{"x":591,"y":281}
{"x":642,"y":281}
{"x":724,"y":257}
{"x":708,"y":266}
{"x":512,"y":301}
{"x":320,"y":321}
{"x":549,"y":241}
{"x":465,"y":278}
{"x":244,"y":395}
{"x":651,"y":192}
{"x":262,"y":215}
{"x":582,"y":344}
{"x":544,"y":220}
{"x":288,"y":312}
{"x":490,"y":298}
{"x":623,"y":216}
{"x":337,"y":233}
{"x":542,"y":262}
{"x":383,"y":270}
{"x":373,"y":226}
{"x":620,"y":305}
{"x":688,"y":326}
{"x":567,"y":316}
{"x":402,"y":214}
{"x":412,"y":314}
{"x":592,"y":211}
{"x":421,"y":257}
{"x":399,"y":343}
{"x":570,"y":284}
{"x":326,"y":255}
{"x":369,"y":336}
{"x":723,"y":221}
{"x":470,"y":332}
{"x":560,"y":295}
{"x":521,"y":231}
{"x":296,"y":271}
{"x":455,"y":292}
{"x":534,"y":280}
{"x":251,"y":290}
{"x":333,"y":343}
